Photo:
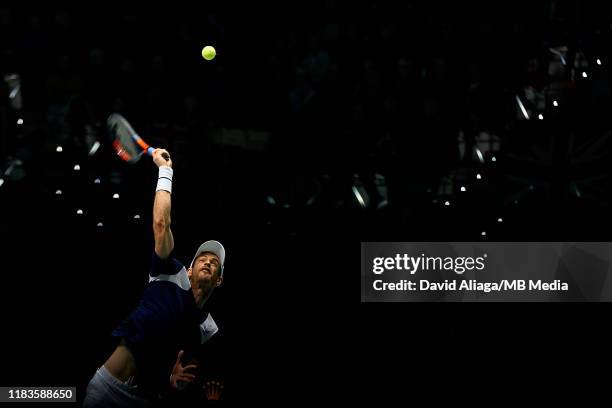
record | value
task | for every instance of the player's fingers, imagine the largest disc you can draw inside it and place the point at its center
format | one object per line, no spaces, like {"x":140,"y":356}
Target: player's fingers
{"x":161,"y":152}
{"x":187,"y":377}
{"x":190,"y":367}
{"x":179,"y":358}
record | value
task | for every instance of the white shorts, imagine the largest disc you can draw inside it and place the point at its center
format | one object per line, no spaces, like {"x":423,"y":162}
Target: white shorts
{"x":104,"y":390}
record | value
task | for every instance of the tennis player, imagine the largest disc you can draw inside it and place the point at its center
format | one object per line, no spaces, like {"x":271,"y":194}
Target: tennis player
{"x":169,"y":324}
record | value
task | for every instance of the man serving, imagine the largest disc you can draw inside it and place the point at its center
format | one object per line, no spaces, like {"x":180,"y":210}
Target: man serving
{"x":169,"y":322}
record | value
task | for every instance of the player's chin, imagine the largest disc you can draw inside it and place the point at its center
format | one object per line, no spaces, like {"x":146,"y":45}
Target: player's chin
{"x":205,"y":284}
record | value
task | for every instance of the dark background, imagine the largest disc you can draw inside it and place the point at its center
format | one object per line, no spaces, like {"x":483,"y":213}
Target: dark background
{"x":350,"y":95}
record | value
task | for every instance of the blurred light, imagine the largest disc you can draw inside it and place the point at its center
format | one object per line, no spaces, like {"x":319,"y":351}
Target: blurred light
{"x":447,"y":203}
{"x":515,"y":201}
{"x":574,"y":187}
{"x":311,"y":200}
{"x":20,"y":121}
{"x":97,"y":181}
{"x":525,"y":114}
{"x":271,"y":200}
{"x":58,"y":192}
{"x":77,"y":167}
{"x":137,"y":217}
{"x":360,"y":193}
{"x":14,"y":92}
{"x":531,"y":187}
{"x":500,"y":220}
{"x":359,"y":197}
{"x":100,"y":224}
{"x":541,"y":117}
{"x":116,"y":195}
{"x":1,"y":181}
{"x":479,"y":154}
{"x":79,"y":212}
{"x":483,"y":233}
{"x":380,"y":182}
{"x":555,"y":104}
{"x":560,"y":54}
{"x":463,"y":189}
{"x":478,"y":176}
{"x":11,"y":167}
{"x":94,"y":148}
{"x":434,"y":201}
{"x":584,"y":75}
{"x":598,"y":61}
{"x":59,"y":149}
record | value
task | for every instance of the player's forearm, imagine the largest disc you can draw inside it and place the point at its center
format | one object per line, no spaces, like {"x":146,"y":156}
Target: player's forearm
{"x":164,"y":241}
{"x":161,"y":210}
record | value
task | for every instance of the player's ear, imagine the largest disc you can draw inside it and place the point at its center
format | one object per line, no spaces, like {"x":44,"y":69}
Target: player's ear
{"x":189,"y":273}
{"x":219,"y":281}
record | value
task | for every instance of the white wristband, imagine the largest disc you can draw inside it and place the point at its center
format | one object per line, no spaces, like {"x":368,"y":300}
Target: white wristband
{"x":164,"y":181}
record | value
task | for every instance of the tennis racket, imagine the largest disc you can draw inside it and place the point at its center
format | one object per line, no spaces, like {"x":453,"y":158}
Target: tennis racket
{"x":126,"y":142}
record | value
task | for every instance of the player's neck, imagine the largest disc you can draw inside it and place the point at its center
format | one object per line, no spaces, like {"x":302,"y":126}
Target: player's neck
{"x":200,"y":298}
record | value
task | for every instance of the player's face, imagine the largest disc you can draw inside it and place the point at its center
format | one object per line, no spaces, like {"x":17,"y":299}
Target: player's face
{"x":206,"y":269}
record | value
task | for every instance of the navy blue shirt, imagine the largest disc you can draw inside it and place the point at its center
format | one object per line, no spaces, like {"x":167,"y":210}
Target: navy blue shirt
{"x":166,"y":321}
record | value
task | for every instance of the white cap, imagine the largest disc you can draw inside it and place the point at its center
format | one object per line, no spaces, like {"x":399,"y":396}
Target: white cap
{"x":214,"y":247}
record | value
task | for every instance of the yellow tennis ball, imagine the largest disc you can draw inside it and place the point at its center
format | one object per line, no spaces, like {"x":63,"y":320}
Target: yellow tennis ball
{"x":208,"y":52}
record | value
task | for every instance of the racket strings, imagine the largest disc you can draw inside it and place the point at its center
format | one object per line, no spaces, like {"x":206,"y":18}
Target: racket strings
{"x":121,"y":152}
{"x":126,"y":142}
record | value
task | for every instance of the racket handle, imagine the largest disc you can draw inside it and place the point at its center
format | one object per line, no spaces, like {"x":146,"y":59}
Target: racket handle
{"x":148,"y":149}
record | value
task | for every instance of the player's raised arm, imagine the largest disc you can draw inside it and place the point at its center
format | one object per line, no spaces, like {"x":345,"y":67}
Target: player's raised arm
{"x":164,"y":242}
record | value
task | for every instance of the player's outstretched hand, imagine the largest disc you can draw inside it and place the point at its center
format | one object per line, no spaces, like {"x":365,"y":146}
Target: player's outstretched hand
{"x":161,"y":157}
{"x":181,"y":376}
